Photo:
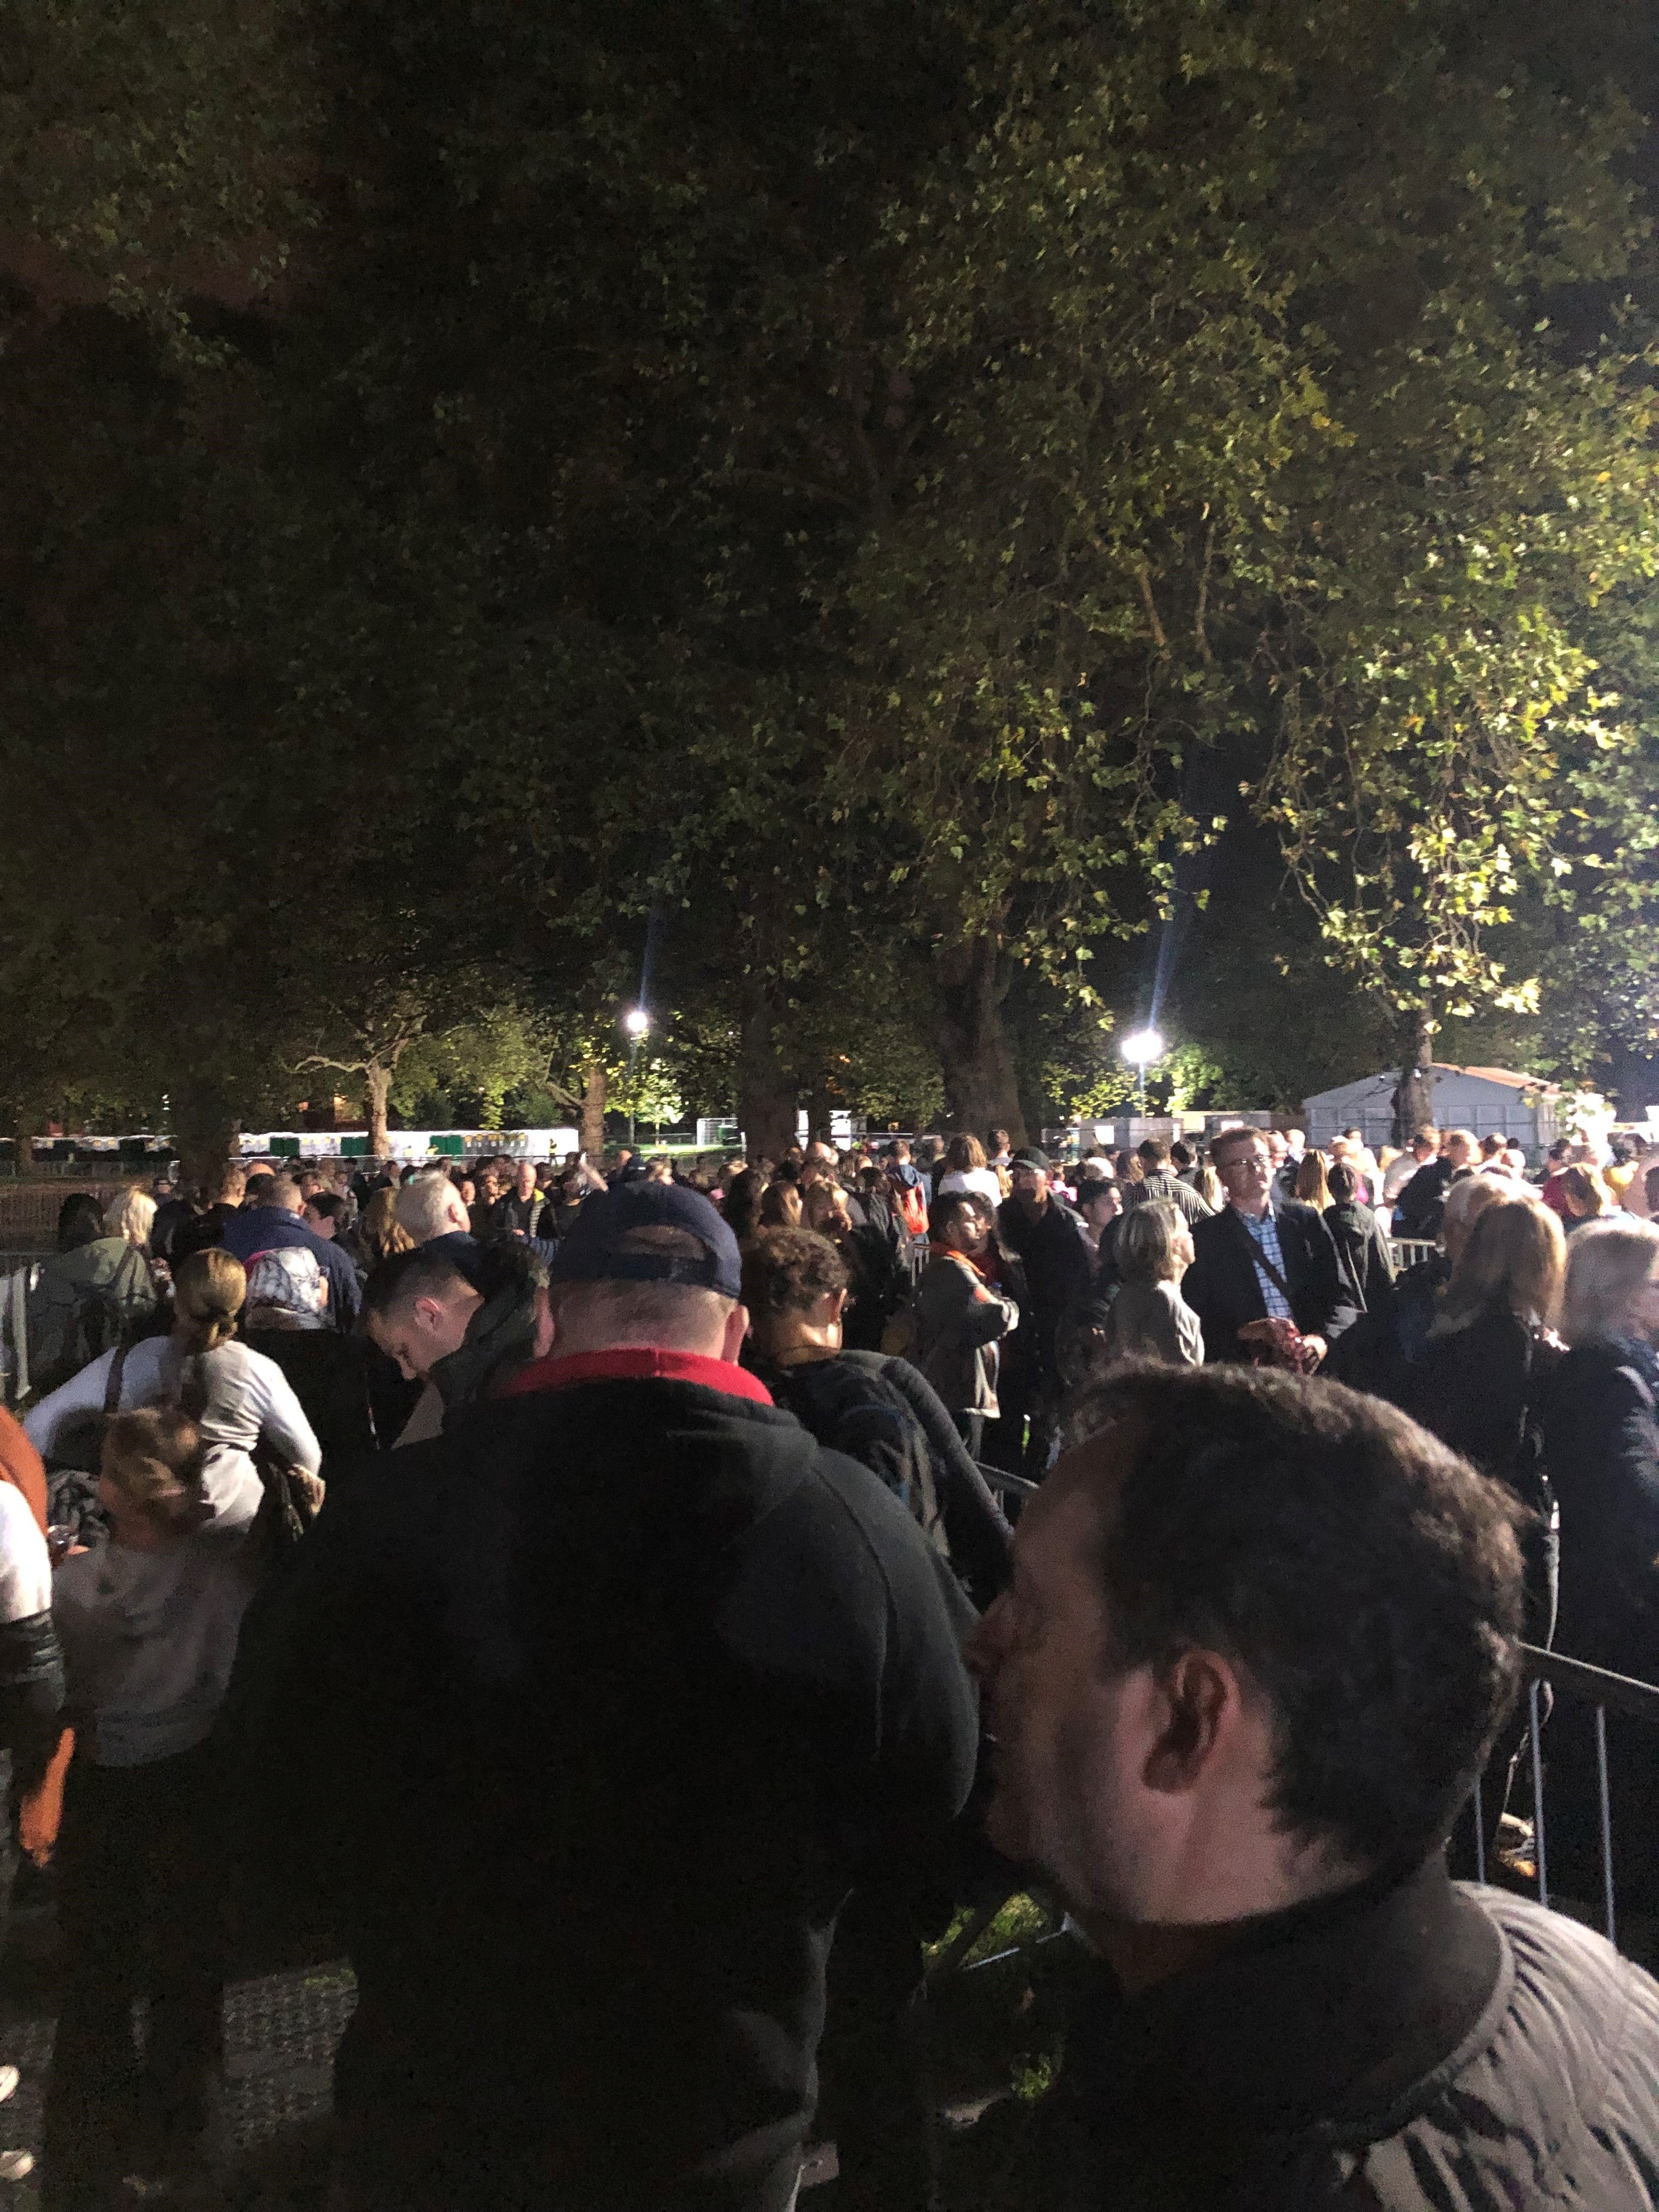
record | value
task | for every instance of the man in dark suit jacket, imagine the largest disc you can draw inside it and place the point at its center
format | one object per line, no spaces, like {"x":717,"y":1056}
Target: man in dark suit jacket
{"x":1256,"y":1238}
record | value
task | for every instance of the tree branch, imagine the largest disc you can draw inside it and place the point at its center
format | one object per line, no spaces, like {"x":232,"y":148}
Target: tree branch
{"x":1144,"y":576}
{"x":1203,"y":598}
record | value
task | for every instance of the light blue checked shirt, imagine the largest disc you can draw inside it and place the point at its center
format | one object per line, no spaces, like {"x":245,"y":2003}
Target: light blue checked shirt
{"x":1266,"y":1235}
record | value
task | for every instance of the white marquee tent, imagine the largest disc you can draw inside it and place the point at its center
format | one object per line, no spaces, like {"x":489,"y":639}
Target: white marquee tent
{"x":1484,"y":1099}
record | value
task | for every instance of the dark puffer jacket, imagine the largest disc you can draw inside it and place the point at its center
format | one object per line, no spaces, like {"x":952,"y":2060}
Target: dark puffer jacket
{"x":1428,"y":2048}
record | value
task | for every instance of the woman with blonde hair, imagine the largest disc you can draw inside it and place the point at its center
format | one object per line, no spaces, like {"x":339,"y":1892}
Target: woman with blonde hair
{"x":1491,"y":1344}
{"x":1151,"y":1320}
{"x":132,"y":1214}
{"x":1312,"y":1187}
{"x":149,"y":1623}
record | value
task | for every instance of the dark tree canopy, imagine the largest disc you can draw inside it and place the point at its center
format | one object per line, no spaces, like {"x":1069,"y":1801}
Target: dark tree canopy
{"x":861,"y":510}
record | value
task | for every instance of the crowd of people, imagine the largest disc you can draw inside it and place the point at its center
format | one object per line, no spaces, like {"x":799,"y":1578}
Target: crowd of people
{"x":572,"y":1586}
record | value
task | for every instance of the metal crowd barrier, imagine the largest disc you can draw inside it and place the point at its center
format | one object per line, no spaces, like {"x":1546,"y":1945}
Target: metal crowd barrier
{"x":1604,"y":1692}
{"x":1003,"y":1485}
{"x":1407,"y":1251}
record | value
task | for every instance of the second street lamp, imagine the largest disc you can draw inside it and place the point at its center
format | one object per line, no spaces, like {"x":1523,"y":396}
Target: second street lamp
{"x":1140,"y":1049}
{"x":636,"y":1022}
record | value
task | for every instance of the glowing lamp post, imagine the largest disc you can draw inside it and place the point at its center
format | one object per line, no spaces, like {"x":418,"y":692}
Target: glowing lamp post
{"x":637,"y":1022}
{"x":1140,"y":1049}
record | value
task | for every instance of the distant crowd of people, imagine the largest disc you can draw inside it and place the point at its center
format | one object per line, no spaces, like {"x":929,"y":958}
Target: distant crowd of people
{"x":571,"y":1586}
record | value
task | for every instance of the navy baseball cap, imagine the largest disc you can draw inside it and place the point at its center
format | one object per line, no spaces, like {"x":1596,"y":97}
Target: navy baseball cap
{"x":597,"y":1249}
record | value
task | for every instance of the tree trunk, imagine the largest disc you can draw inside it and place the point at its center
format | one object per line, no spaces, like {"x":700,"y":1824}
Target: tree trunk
{"x":591,"y":1133}
{"x":1413,"y":1097}
{"x":205,"y":1128}
{"x":820,"y":1105}
{"x":377,"y":1088}
{"x":981,"y":1093}
{"x":765,"y":1090}
{"x":23,"y":1132}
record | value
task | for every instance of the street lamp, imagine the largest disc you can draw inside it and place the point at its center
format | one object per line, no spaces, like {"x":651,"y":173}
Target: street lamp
{"x":636,"y":1022}
{"x":1140,"y":1049}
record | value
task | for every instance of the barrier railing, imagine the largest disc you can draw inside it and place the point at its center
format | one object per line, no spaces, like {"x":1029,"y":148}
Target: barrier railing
{"x":1407,"y":1251}
{"x":1574,"y":1681}
{"x":28,"y":1211}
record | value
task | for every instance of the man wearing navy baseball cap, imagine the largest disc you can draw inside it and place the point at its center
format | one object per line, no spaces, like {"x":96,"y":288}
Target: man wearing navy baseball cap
{"x":611,"y":1696}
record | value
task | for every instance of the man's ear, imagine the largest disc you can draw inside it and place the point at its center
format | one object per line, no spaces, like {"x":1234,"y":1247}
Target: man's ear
{"x":1202,"y":1707}
{"x":837,"y":1304}
{"x":427,"y":1311}
{"x":736,"y":1328}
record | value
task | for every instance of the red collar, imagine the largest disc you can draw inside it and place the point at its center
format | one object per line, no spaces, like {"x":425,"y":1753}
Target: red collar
{"x":623,"y":1363}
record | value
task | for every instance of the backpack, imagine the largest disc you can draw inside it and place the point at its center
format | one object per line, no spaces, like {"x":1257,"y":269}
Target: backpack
{"x":909,"y":1207}
{"x":75,"y":1311}
{"x":850,"y":1410}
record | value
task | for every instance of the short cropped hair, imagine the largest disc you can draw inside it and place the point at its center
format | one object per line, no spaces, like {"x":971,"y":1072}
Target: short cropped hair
{"x":1154,"y":1151}
{"x":951,"y":1205}
{"x":789,"y":1270}
{"x":406,"y":1276}
{"x":425,"y":1204}
{"x":1367,"y":1579}
{"x":1242,"y":1133}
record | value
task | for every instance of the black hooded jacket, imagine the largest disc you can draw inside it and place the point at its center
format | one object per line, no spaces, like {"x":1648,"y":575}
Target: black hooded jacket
{"x":588,"y":1715}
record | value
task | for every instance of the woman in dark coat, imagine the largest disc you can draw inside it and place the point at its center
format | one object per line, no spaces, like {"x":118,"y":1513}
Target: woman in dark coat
{"x":1476,"y":1385}
{"x":1362,"y":1244}
{"x":1601,"y":1447}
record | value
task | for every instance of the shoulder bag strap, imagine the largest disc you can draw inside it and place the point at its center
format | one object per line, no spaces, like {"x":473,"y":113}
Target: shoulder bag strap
{"x":1258,"y":1257}
{"x":117,"y":1368}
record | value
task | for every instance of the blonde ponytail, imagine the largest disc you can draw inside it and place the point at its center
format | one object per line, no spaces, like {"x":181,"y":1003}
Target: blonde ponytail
{"x":209,"y":1290}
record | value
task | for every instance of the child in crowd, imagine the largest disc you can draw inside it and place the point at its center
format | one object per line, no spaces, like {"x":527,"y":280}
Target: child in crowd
{"x":149,"y":1623}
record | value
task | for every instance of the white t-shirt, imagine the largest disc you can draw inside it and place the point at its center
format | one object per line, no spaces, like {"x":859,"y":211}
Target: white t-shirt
{"x":1400,"y":1173}
{"x":983,"y":1181}
{"x":25,"y":1562}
